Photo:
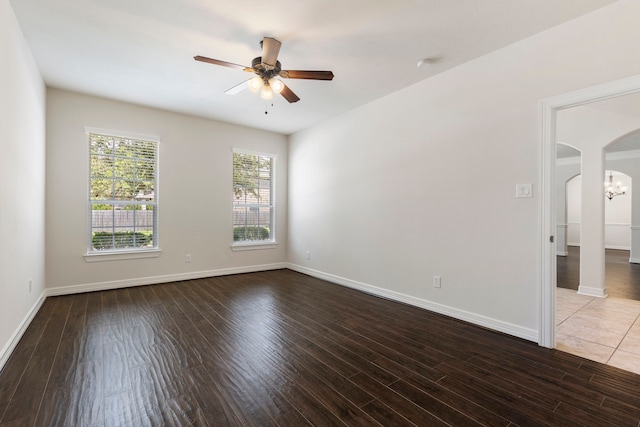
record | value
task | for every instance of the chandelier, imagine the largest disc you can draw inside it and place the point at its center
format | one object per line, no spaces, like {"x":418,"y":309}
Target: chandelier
{"x":612,"y":190}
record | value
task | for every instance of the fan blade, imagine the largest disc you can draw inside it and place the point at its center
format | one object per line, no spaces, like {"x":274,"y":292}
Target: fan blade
{"x":237,"y":88}
{"x":308,"y":75}
{"x":270,"y":50}
{"x":289,"y":95}
{"x":223,"y":63}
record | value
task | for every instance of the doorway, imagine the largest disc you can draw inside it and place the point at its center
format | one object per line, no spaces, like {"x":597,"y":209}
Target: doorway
{"x":548,"y":266}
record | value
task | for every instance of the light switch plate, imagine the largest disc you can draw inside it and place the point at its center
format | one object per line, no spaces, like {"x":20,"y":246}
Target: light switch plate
{"x":524,"y":190}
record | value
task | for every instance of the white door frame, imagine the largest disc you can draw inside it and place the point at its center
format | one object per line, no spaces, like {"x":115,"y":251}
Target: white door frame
{"x":548,"y":109}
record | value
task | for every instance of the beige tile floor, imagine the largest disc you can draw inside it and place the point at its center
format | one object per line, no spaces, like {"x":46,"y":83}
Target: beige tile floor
{"x":606,"y":330}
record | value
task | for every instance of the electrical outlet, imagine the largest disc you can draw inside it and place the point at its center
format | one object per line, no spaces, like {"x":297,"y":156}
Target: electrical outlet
{"x":187,"y":258}
{"x":308,"y":255}
{"x":437,"y":281}
{"x":30,"y":285}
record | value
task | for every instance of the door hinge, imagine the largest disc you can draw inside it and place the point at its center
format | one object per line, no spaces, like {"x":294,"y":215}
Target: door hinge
{"x":551,"y":239}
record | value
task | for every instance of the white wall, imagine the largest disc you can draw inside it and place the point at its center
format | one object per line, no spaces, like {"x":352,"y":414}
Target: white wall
{"x":22,"y":161}
{"x":422,"y":182}
{"x":574,"y":210}
{"x":565,"y":170}
{"x":195,"y":194}
{"x":617,"y":214}
{"x":630,"y":166}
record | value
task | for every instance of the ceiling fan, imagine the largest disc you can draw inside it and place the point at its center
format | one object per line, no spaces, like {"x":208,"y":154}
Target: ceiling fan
{"x":267,"y":68}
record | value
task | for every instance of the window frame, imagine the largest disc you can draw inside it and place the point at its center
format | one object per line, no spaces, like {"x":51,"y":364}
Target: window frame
{"x":93,"y":255}
{"x":246,"y":245}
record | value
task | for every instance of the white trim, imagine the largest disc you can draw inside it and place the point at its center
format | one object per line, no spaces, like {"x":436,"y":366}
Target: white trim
{"x":566,"y":161}
{"x":272,"y":205}
{"x":618,"y":247}
{"x":5,"y":353}
{"x":155,"y":203}
{"x":254,"y":153}
{"x":634,"y":260}
{"x":622,"y":155}
{"x":562,"y":253}
{"x":595,"y":93}
{"x":547,"y":269}
{"x":547,"y":228}
{"x":116,"y":256}
{"x":615,"y":247}
{"x":153,"y":280}
{"x":608,"y":156}
{"x":121,"y":134}
{"x":253,"y":246}
{"x":477,"y":319}
{"x":592,"y":292}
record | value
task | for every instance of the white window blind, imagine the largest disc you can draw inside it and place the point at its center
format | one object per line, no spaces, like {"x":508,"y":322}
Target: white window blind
{"x":253,"y":197}
{"x":123,"y":207}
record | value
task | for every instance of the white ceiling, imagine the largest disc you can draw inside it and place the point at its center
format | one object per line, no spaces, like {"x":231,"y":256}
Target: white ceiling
{"x":141,"y":51}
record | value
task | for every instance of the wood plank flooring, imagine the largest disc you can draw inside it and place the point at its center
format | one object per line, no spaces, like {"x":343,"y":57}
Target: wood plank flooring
{"x":622,"y":278}
{"x":280,"y":348}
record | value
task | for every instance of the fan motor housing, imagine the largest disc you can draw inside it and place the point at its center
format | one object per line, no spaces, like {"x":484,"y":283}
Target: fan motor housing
{"x":260,"y":70}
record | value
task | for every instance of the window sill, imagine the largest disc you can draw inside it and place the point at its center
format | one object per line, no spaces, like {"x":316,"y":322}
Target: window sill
{"x":116,"y":256}
{"x":252,"y":246}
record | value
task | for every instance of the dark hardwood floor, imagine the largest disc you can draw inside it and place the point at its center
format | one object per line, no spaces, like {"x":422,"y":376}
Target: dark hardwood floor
{"x":281,"y":348}
{"x":622,"y":278}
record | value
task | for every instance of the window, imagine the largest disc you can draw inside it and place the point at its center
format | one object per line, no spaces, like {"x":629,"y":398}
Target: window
{"x":253,"y":198}
{"x":123,"y":208}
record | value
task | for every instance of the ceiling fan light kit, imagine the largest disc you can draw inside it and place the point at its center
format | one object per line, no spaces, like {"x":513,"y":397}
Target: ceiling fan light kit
{"x":266,"y":88}
{"x":276,"y":85}
{"x":267,"y":68}
{"x":255,"y":84}
{"x":266,"y":92}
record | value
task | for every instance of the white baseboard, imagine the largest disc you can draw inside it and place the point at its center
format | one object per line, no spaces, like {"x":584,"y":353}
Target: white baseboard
{"x":618,"y":247}
{"x":592,"y":292}
{"x":634,"y":260}
{"x":494,"y":324}
{"x":562,"y":253}
{"x":477,"y":319}
{"x":140,"y":281}
{"x":6,"y":351}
